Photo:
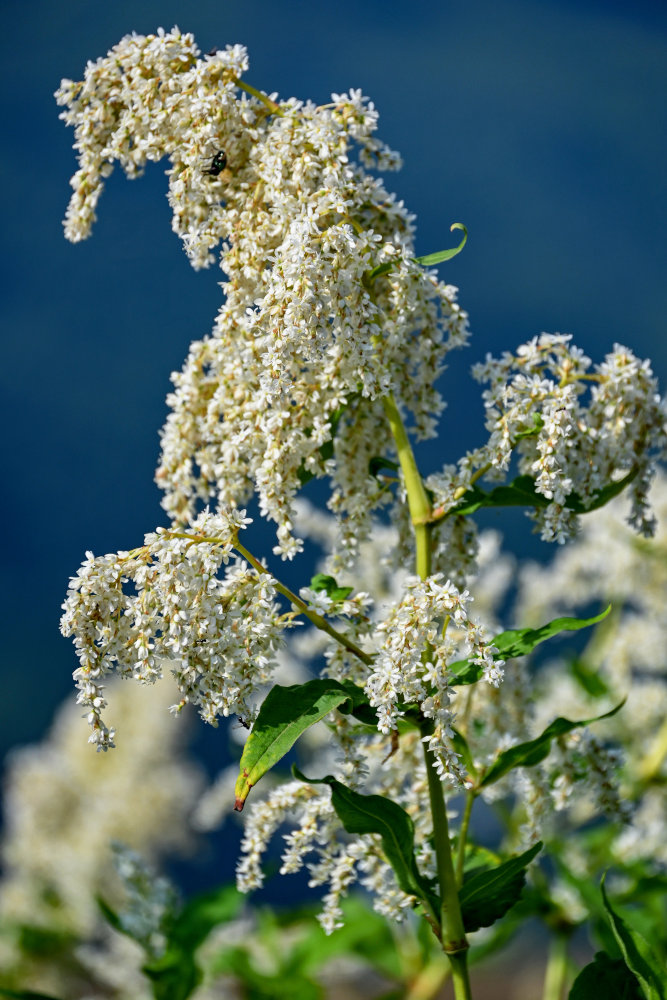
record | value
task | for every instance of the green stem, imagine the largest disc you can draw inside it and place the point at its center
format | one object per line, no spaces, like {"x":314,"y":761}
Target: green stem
{"x":454,"y":940}
{"x":556,"y":974}
{"x":429,"y":981}
{"x":418,"y":501}
{"x":301,"y":605}
{"x":463,"y":836}
{"x":303,"y":608}
{"x":274,"y":108}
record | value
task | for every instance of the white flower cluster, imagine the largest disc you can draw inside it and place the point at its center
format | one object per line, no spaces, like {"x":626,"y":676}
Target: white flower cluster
{"x":150,"y":899}
{"x":63,"y":806}
{"x":570,"y":443}
{"x":218,"y":634}
{"x":338,"y":859}
{"x":412,"y":664}
{"x":307,"y":335}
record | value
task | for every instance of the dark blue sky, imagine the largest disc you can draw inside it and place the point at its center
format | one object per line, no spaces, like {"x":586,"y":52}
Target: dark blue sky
{"x":540,"y":124}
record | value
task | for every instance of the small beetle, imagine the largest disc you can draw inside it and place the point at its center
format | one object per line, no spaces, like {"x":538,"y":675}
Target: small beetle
{"x":218,"y":164}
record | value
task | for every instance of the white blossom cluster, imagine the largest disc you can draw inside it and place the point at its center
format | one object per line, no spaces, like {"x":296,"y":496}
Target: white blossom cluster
{"x":131,"y":611}
{"x":412,"y":664}
{"x":63,"y":807}
{"x":150,"y":899}
{"x":316,"y":839}
{"x":306,"y":336}
{"x":572,"y":443}
{"x":408,"y":614}
{"x":627,"y":652}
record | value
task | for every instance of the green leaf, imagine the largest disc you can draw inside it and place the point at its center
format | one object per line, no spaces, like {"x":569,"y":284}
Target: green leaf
{"x":589,"y":680}
{"x":175,"y":974}
{"x":521,"y":492}
{"x":487,"y":896}
{"x":460,"y":746}
{"x":325,"y":450}
{"x":377,"y":814}
{"x":328,"y":584}
{"x":520,"y":641}
{"x":637,"y":954}
{"x":378,"y":271}
{"x":533,"y":751}
{"x":110,"y":916}
{"x":377,"y":463}
{"x":431,"y":259}
{"x":204,"y":912}
{"x":601,"y":496}
{"x":285,"y":714}
{"x":606,"y":978}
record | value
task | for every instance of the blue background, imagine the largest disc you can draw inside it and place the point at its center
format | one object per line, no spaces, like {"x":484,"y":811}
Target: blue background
{"x":540,"y":125}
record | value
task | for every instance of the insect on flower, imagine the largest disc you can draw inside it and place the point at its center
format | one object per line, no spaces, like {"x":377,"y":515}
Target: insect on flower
{"x":218,"y":164}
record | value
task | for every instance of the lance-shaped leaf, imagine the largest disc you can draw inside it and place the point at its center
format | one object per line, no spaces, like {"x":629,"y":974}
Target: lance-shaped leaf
{"x":377,"y":814}
{"x":518,"y":642}
{"x":431,"y":259}
{"x":321,"y":582}
{"x":285,"y":714}
{"x":607,"y":978}
{"x":637,"y":955}
{"x":522,"y":492}
{"x":533,"y":751}
{"x":487,"y":896}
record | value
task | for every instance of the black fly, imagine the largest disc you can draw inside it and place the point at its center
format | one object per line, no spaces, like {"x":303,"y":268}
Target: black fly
{"x":218,"y":164}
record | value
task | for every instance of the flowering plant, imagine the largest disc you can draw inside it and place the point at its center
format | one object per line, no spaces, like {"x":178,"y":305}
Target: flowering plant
{"x":323,"y":364}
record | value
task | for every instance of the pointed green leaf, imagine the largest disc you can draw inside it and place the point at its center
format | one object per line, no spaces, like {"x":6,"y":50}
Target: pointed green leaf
{"x":377,"y":463}
{"x":285,"y":714}
{"x":322,"y":582}
{"x":110,"y":915}
{"x":487,"y":896}
{"x":377,"y":814}
{"x":589,"y":680}
{"x":605,"y":978}
{"x":521,"y":492}
{"x":637,"y":954}
{"x":533,"y":751}
{"x":378,"y":271}
{"x":460,"y":746}
{"x":520,"y":641}
{"x":431,"y":259}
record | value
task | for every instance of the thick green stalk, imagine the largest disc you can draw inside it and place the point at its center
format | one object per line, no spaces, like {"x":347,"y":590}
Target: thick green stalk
{"x":418,"y":501}
{"x":556,"y":974}
{"x":454,"y":940}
